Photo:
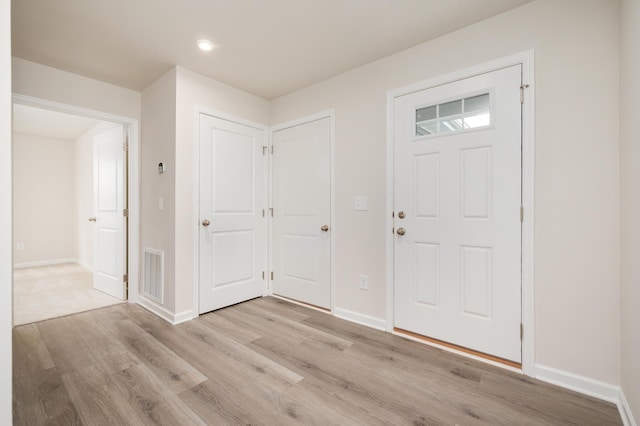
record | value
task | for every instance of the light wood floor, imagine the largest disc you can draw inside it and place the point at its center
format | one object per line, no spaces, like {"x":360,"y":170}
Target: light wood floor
{"x":265,"y":362}
{"x":53,"y":291}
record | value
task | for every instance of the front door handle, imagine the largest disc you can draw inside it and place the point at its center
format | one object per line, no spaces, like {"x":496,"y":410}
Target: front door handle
{"x":401,"y":231}
{"x":324,"y":228}
{"x":92,"y":219}
{"x":206,"y":222}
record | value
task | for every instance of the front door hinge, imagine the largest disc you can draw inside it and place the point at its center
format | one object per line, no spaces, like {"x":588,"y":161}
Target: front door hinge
{"x":271,"y":275}
{"x":264,"y":150}
{"x":125,"y":212}
{"x":271,"y":210}
{"x":125,"y":278}
{"x":125,"y":146}
{"x":272,"y":149}
{"x":521,"y":214}
{"x":521,"y":332}
{"x":522,"y":87}
{"x":263,"y":275}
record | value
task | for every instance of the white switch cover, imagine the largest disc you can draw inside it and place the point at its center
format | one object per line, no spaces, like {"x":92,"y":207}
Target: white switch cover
{"x":364,"y":282}
{"x":160,"y":203}
{"x":360,"y":204}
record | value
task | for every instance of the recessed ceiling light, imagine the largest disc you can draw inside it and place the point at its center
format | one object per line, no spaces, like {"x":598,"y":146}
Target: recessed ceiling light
{"x":205,"y":45}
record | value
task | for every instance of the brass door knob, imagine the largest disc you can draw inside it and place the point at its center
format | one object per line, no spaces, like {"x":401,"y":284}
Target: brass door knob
{"x":92,"y":219}
{"x":401,"y":231}
{"x":324,"y":228}
{"x":401,"y":215}
{"x":206,"y":222}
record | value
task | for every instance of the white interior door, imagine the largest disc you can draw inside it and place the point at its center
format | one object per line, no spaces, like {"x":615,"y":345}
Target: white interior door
{"x":457,"y":196}
{"x":109,"y":204}
{"x":231,"y":254}
{"x":301,"y":228}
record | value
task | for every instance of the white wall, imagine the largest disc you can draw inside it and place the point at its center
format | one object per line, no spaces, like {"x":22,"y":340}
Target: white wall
{"x":630,"y":178}
{"x":577,"y":221}
{"x":44,"y":200}
{"x":194,"y":89}
{"x":168,"y":107}
{"x":158,"y":145}
{"x":6,"y":262}
{"x":83,"y":181}
{"x":40,"y":81}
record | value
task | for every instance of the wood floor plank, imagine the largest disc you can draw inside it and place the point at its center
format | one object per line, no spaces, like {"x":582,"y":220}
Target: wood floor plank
{"x":38,"y":392}
{"x":43,"y":399}
{"x":154,"y":403}
{"x":216,"y":404}
{"x":174,"y":371}
{"x":229,"y":328}
{"x":331,"y":374}
{"x":65,"y":345}
{"x":200,"y":345}
{"x":283,"y":325}
{"x":102,"y":345}
{"x":29,"y":347}
{"x":97,"y":398}
{"x":267,"y":362}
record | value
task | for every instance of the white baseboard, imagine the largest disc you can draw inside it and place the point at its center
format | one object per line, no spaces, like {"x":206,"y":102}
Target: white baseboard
{"x":183,"y":317}
{"x":582,"y":384}
{"x":588,"y":386}
{"x":85,"y":265}
{"x":164,"y":313}
{"x":44,"y":263}
{"x":377,"y":323}
{"x":625,"y":410}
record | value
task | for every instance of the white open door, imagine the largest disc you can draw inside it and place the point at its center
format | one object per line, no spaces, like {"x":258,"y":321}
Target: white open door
{"x":457,"y":196}
{"x":301,"y":227}
{"x":109,"y":204}
{"x":231,"y":258}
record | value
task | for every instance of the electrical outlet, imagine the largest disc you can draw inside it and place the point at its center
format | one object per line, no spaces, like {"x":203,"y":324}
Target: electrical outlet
{"x":20,"y":246}
{"x":364,"y":282}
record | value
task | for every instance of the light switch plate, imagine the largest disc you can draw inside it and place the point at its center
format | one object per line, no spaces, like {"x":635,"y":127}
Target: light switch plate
{"x":360,"y":204}
{"x":364,"y":282}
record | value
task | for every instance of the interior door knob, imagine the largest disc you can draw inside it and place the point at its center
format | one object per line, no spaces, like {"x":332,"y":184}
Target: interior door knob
{"x":401,"y":231}
{"x":206,"y":222}
{"x":92,"y":219}
{"x":324,"y":228}
{"x":401,"y":214}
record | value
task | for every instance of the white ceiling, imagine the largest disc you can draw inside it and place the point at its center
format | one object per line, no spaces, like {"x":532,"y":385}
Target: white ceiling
{"x":50,"y":124}
{"x":265,"y":47}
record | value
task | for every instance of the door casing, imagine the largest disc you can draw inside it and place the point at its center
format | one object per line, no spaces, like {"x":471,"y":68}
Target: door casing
{"x":526,"y":59}
{"x":133,"y":177}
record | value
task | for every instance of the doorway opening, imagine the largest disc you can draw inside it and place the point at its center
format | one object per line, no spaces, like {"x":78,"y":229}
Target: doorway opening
{"x":70,"y":170}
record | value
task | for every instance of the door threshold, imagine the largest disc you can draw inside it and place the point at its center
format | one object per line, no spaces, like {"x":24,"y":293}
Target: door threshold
{"x":460,"y":350}
{"x":306,"y":305}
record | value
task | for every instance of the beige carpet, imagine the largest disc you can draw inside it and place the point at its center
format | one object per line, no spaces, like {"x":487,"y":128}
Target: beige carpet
{"x":54,"y":291}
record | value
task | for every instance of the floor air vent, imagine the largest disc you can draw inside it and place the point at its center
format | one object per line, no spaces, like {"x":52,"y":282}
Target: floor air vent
{"x":153,"y":276}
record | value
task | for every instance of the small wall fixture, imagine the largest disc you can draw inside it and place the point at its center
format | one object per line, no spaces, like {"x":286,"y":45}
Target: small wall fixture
{"x":205,"y":45}
{"x":160,"y":167}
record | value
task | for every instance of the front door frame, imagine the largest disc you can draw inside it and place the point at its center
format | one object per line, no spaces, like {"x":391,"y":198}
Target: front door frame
{"x":132,"y":257}
{"x":526,"y":59}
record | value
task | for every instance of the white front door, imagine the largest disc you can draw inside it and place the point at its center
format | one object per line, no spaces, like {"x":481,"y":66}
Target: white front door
{"x":231,"y":213}
{"x":457,"y":198}
{"x":301,"y":227}
{"x":109,"y":204}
